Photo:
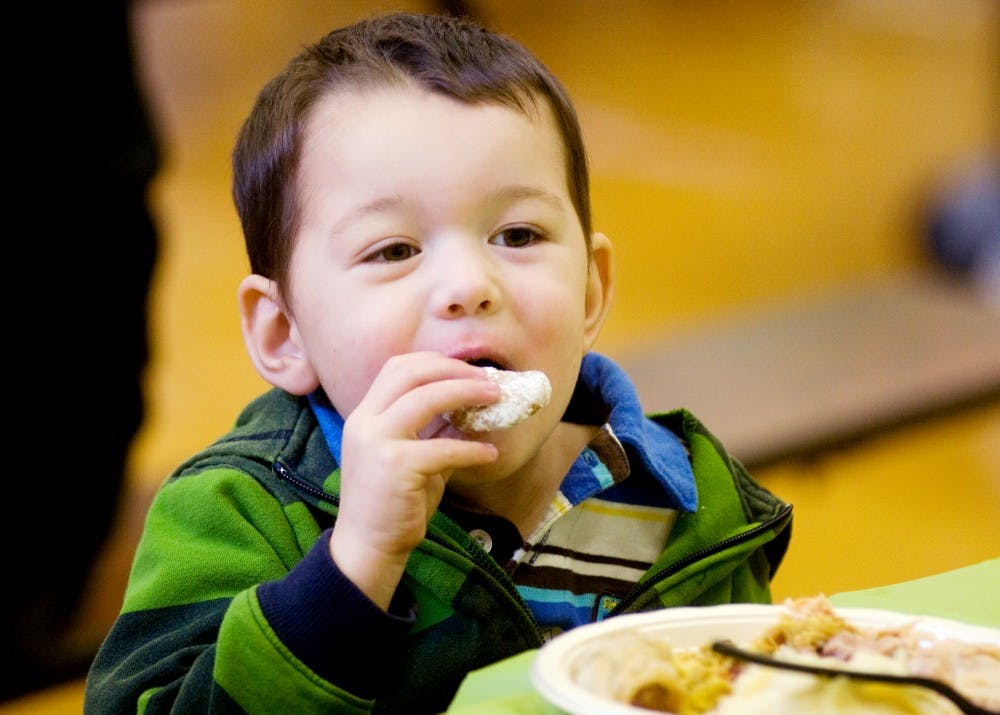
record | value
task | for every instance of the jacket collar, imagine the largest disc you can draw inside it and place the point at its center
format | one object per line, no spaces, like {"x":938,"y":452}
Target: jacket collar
{"x":604,"y":385}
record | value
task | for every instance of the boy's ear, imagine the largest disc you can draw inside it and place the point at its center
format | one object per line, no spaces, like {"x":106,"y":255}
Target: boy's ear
{"x":600,"y":288}
{"x":272,"y":338}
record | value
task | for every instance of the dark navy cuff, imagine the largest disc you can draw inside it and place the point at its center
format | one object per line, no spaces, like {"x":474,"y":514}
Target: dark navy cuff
{"x":329,"y":624}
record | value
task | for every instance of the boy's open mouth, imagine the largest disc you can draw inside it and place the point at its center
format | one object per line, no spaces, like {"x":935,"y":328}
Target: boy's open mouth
{"x":485,"y":362}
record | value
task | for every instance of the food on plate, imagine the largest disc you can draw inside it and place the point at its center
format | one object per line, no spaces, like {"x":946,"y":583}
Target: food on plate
{"x":522,"y":394}
{"x":643,"y":669}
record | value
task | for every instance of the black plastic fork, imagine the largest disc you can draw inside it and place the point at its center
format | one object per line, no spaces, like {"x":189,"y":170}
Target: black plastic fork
{"x":964,"y":704}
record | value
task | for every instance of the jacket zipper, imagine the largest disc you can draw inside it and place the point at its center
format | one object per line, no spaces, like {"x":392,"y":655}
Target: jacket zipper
{"x":286,"y":474}
{"x":783,"y":514}
{"x":485,"y":563}
{"x":283,"y":472}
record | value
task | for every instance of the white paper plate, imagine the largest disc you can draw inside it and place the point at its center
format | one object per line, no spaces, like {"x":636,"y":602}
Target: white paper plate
{"x":694,"y":626}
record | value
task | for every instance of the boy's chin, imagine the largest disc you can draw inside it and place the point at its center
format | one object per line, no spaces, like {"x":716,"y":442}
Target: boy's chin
{"x":510,"y":462}
{"x":473,"y":477}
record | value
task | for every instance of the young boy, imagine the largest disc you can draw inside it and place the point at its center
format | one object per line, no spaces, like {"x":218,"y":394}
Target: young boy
{"x":414,"y":196}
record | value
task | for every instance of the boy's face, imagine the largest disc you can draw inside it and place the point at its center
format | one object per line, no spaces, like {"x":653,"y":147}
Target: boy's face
{"x":428,"y":224}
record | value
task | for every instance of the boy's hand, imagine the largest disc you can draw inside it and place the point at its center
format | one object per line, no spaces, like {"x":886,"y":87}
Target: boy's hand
{"x":392,"y":478}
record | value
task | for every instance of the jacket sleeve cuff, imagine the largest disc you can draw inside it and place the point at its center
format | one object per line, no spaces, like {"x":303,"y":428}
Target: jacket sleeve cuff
{"x":329,"y":624}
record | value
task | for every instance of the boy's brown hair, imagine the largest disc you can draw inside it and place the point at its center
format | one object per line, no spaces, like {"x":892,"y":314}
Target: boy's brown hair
{"x":446,"y":55}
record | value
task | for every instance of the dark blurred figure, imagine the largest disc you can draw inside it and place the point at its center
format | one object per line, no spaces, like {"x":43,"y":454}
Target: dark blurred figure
{"x":80,"y":153}
{"x":964,"y":225}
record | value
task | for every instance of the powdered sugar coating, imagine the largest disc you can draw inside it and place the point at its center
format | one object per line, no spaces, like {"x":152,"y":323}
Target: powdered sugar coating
{"x":522,"y":394}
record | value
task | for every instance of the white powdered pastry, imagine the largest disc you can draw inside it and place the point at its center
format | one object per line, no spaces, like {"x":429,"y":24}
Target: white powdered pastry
{"x":522,"y":394}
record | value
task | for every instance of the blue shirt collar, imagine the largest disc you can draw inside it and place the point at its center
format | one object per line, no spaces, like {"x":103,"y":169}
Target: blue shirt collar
{"x":330,"y":421}
{"x":660,"y":451}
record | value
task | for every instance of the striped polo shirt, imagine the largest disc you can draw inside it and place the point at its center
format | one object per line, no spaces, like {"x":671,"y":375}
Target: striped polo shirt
{"x":611,"y":517}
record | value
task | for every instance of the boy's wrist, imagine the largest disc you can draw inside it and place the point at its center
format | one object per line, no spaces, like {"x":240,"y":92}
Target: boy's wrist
{"x":376,"y":574}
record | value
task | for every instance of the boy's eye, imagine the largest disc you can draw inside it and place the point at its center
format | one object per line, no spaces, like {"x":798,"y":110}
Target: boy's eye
{"x":392,"y":253}
{"x":516,"y":237}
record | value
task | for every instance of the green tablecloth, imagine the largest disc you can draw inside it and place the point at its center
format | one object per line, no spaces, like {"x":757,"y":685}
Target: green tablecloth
{"x":970,"y":594}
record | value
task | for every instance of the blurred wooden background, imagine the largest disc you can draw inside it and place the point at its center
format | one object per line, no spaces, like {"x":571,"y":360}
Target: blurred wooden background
{"x":744,"y":155}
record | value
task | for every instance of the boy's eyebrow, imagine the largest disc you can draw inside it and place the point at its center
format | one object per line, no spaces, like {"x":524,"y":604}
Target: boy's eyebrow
{"x":377,"y":205}
{"x":509,"y":193}
{"x":506,"y":193}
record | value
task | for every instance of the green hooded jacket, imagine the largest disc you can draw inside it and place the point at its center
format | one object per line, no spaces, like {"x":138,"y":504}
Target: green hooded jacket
{"x":192,"y":635}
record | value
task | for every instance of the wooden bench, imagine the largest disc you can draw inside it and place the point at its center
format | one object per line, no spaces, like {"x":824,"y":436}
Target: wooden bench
{"x":798,"y":377}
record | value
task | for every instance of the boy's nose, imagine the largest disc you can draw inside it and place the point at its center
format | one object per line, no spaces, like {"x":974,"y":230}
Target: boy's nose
{"x":466,"y":288}
{"x":459,"y":309}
